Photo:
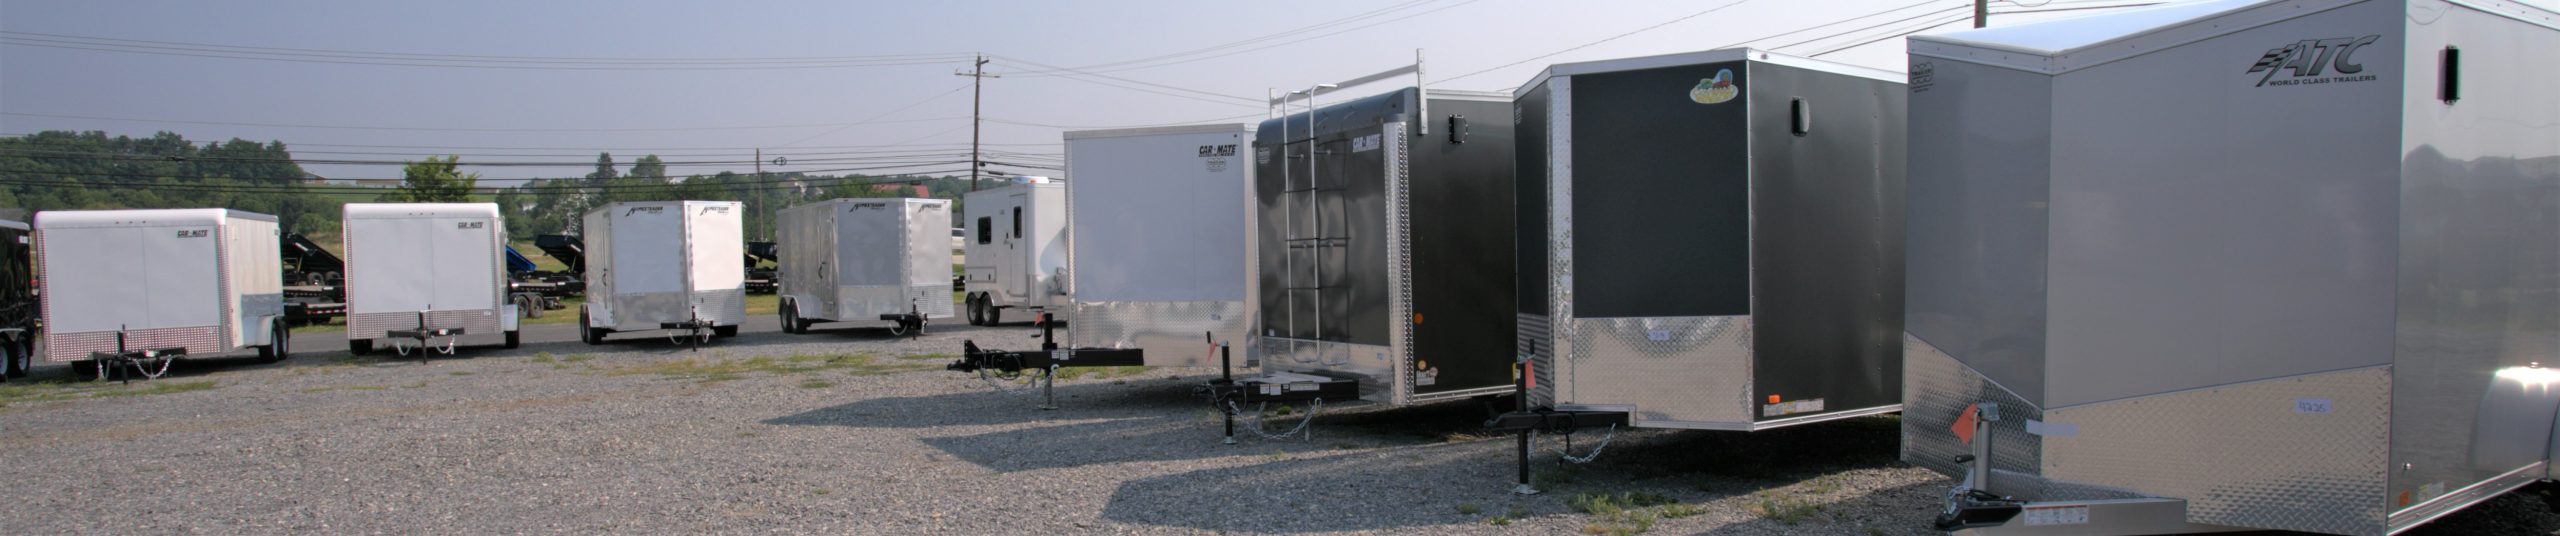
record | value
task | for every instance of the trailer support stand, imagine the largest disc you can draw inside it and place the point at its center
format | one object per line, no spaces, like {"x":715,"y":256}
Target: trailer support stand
{"x":1520,"y":402}
{"x":1972,"y":504}
{"x":123,"y":357}
{"x":1226,"y":373}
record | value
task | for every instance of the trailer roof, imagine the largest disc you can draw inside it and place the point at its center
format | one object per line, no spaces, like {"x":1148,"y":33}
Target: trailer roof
{"x":411,"y":210}
{"x":1219,"y":128}
{"x":1705,"y":56}
{"x":14,"y":224}
{"x":851,"y":200}
{"x":51,"y":219}
{"x":2063,"y":45}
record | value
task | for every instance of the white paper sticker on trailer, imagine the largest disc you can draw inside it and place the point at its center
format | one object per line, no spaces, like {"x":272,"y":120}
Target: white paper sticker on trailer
{"x":2055,"y":515}
{"x":1365,"y":143}
{"x":2311,"y":405}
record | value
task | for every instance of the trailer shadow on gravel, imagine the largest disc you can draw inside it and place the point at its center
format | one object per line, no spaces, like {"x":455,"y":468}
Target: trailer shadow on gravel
{"x":1425,"y":484}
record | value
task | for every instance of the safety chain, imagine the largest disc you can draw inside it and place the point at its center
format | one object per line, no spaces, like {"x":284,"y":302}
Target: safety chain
{"x":1254,"y":423}
{"x":1567,"y":453}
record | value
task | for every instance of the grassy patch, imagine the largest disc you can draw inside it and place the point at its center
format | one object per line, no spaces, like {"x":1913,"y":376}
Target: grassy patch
{"x":814,"y":383}
{"x":367,"y":387}
{"x":1551,"y":478}
{"x":764,"y":304}
{"x":1469,"y":508}
{"x":458,"y":373}
{"x":1784,"y":508}
{"x":1621,"y":514}
{"x":542,"y":357}
{"x":574,"y":358}
{"x":566,"y":314}
{"x":24,"y":392}
{"x":1077,"y":373}
{"x":720,"y":369}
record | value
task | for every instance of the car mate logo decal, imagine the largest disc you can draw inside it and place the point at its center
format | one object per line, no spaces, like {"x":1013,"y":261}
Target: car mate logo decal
{"x":1207,"y":151}
{"x":2314,"y":61}
{"x":1715,"y":90}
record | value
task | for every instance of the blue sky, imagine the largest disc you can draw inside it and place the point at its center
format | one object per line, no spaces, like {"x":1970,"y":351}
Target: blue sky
{"x":722,"y":115}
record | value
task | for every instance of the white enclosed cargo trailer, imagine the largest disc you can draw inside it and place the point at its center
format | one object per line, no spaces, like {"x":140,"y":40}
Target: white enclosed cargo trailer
{"x":1157,"y":244}
{"x":424,"y":271}
{"x":875,"y":261}
{"x":144,"y":287}
{"x":664,"y":265}
{"x":2245,"y":264}
{"x":1017,"y":251}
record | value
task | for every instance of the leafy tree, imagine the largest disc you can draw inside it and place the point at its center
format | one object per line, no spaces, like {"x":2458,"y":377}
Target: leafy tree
{"x":436,"y":180}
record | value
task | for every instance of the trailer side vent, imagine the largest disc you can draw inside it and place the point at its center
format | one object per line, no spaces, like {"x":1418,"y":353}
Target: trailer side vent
{"x":1457,"y":129}
{"x":1799,"y":118}
{"x":2449,"y":76}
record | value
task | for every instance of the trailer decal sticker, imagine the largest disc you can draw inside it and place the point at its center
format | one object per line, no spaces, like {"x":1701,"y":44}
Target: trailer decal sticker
{"x":1810,"y":405}
{"x":637,"y":210}
{"x":2055,"y":515}
{"x":470,"y":225}
{"x":1365,"y":143}
{"x":194,"y":233}
{"x":2311,"y":406}
{"x":2310,"y":58}
{"x":1715,"y":90}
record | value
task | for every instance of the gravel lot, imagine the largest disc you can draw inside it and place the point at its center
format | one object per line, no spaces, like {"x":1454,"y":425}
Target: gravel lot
{"x":856,"y":432}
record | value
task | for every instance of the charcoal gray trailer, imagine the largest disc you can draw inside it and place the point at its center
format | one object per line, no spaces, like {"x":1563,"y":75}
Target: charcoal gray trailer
{"x":135,"y":290}
{"x":18,"y":306}
{"x":424,"y":272}
{"x":1383,"y":251}
{"x":668,"y":266}
{"x":1710,"y":240}
{"x":875,"y":261}
{"x":2277,"y":265}
{"x":1158,"y":255}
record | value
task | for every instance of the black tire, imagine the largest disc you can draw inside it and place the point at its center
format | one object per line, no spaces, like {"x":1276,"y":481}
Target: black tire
{"x":995,"y":315}
{"x":512,"y":341}
{"x":724,"y":331}
{"x":588,"y":333}
{"x":26,"y":358}
{"x":279,"y":346}
{"x":12,"y":364}
{"x":977,"y":311}
{"x":359,"y":346}
{"x":532,"y":308}
{"x":790,"y":317}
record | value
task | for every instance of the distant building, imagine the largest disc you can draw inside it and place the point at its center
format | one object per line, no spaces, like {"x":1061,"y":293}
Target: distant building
{"x":910,"y":190}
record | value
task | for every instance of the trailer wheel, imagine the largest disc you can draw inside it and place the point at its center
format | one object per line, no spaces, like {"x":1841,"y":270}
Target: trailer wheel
{"x":530,"y":308}
{"x":724,"y":331}
{"x":12,"y":362}
{"x":976,"y":317}
{"x":277,"y":348}
{"x":359,"y":346}
{"x":994,"y":314}
{"x":790,"y":317}
{"x":588,"y":333}
{"x":512,"y":341}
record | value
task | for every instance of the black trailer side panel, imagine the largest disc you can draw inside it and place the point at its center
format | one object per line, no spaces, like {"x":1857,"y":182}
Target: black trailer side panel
{"x":1827,"y":248}
{"x":1461,"y":238}
{"x":1660,"y":232}
{"x":1529,"y":216}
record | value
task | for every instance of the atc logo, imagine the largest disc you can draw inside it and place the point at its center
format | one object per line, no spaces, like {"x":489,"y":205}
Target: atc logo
{"x":2311,"y":60}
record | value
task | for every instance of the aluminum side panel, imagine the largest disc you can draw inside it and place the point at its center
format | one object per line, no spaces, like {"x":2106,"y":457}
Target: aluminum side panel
{"x":2263,"y":247}
{"x":1170,"y":332}
{"x":1976,"y":224}
{"x":1155,"y":218}
{"x":2479,"y":264}
{"x":715,"y":246}
{"x":2303,"y":453}
{"x":927,"y":250}
{"x":806,"y":239}
{"x":648,"y":248}
{"x":870,"y":245}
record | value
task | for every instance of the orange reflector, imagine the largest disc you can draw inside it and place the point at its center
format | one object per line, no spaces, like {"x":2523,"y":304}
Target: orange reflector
{"x":1964,"y":424}
{"x":1530,"y":370}
{"x":1417,"y":318}
{"x":2404,"y":498}
{"x":1773,"y":399}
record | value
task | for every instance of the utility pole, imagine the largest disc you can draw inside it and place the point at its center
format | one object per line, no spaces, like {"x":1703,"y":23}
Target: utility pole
{"x":1981,"y":13}
{"x":977,"y":77}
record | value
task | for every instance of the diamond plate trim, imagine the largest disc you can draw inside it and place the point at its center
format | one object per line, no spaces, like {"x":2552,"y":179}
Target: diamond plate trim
{"x":1169,"y":332}
{"x":1688,"y":370}
{"x":2243,"y":455}
{"x":1399,"y":261}
{"x":1935,"y":390}
{"x":727,"y":306}
{"x":379,"y":325}
{"x":198,"y":340}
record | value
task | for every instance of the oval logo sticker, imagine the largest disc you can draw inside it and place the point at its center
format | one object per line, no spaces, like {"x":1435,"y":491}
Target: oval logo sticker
{"x":1715,"y":90}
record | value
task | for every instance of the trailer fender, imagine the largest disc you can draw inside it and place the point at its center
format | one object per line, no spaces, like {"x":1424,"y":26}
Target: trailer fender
{"x":507,"y":318}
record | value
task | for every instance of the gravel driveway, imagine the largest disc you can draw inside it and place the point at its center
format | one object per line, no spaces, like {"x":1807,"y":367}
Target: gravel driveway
{"x":857,"y":432}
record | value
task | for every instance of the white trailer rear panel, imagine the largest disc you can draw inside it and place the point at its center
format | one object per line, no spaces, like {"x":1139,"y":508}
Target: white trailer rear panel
{"x":1017,"y":250}
{"x":1158,"y":242}
{"x":443,"y":260}
{"x":207,"y":280}
{"x":656,"y":262}
{"x":854,"y":260}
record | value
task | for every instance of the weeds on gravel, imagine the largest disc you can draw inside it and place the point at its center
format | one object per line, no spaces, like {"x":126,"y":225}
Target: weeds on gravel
{"x":573,"y":358}
{"x":1783,"y":508}
{"x":1469,"y":508}
{"x":814,"y":383}
{"x":542,"y":357}
{"x":1077,"y":373}
{"x":720,"y":369}
{"x":1499,"y":521}
{"x":25,"y":391}
{"x":1621,"y":514}
{"x":1548,"y":478}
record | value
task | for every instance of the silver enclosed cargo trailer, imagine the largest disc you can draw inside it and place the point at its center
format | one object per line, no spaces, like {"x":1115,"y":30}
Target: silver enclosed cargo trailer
{"x":664,"y":265}
{"x":2287,"y":265}
{"x":424,"y":271}
{"x":1017,"y":251}
{"x":141,"y":288}
{"x":877,"y":261}
{"x":1710,"y":240}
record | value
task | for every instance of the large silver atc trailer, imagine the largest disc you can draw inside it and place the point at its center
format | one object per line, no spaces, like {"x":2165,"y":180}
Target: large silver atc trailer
{"x":419,"y":272}
{"x":1710,"y":240}
{"x":2288,"y":265}
{"x":1384,"y":256}
{"x":876,"y":261}
{"x":1017,"y":251}
{"x":137,"y":289}
{"x":664,"y":265}
{"x":1158,"y":252}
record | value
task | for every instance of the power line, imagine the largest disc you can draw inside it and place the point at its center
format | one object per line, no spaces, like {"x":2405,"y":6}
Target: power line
{"x":883,"y":114}
{"x":1940,"y":12}
{"x":1924,"y":27}
{"x":635,"y":149}
{"x":325,"y":56}
{"x":1602,"y":40}
{"x":492,"y":58}
{"x":146,"y":158}
{"x":1266,"y":37}
{"x":1079,"y":73}
{"x":298,"y":185}
{"x":1295,"y":41}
